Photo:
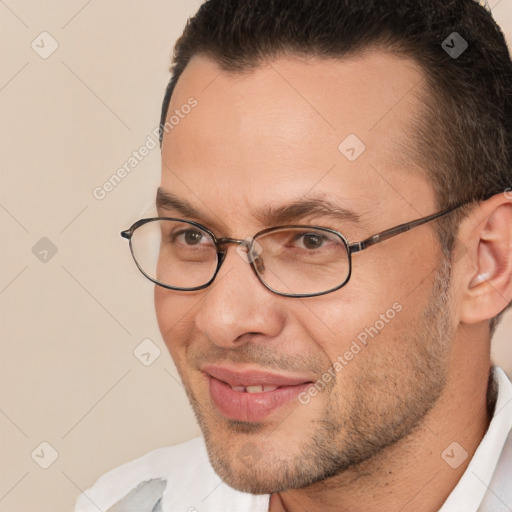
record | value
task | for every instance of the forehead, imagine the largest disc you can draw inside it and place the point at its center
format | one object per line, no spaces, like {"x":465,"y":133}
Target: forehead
{"x":293,"y":126}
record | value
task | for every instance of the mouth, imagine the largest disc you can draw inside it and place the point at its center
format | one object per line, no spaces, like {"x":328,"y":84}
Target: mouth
{"x":255,"y":389}
{"x":251,"y":395}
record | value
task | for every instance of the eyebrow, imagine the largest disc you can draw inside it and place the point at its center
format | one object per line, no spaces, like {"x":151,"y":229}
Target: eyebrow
{"x":272,"y":215}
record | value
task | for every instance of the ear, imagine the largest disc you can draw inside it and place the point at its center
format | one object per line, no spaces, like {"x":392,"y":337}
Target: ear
{"x":487,"y":267}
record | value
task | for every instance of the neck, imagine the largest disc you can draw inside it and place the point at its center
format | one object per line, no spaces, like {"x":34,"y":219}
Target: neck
{"x":418,"y":472}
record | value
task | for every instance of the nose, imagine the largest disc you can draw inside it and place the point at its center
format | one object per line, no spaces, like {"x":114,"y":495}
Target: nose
{"x":237,"y":305}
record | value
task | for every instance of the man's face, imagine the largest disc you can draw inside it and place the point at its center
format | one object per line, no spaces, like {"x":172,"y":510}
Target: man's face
{"x":267,"y":138}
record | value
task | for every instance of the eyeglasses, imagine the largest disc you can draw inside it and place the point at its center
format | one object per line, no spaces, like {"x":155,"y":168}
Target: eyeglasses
{"x":293,"y":261}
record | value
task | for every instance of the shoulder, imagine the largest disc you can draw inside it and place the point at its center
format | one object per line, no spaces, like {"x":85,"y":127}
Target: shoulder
{"x":177,"y":478}
{"x":184,"y":461}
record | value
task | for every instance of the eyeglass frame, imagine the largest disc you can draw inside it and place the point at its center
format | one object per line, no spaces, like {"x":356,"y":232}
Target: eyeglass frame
{"x":353,"y":247}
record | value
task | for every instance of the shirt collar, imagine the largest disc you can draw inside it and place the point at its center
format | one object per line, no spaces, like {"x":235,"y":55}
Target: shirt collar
{"x":471,"y":489}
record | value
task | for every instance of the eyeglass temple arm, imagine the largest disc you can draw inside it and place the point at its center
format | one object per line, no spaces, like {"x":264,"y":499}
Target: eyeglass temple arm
{"x":402,"y":228}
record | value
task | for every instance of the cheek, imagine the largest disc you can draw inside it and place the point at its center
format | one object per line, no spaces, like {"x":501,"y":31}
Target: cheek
{"x":374,"y":305}
{"x":174,"y":312}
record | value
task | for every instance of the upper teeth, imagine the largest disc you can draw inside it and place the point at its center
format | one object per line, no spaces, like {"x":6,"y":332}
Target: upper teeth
{"x":254,"y":389}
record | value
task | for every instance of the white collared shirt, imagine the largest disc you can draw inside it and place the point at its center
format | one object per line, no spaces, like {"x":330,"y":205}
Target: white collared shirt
{"x":181,"y":479}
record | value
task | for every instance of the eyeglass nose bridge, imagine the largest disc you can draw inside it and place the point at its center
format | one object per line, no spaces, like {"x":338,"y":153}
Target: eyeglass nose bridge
{"x":248,"y":249}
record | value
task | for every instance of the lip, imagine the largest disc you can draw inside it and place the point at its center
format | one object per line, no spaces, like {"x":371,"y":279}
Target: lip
{"x":251,"y":377}
{"x":252,"y":407}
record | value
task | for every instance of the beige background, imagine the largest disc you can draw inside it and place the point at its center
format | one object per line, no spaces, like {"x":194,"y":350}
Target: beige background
{"x":70,"y":323}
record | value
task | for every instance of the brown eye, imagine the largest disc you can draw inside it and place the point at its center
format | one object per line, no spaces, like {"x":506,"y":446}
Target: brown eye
{"x":192,"y":237}
{"x":312,"y":241}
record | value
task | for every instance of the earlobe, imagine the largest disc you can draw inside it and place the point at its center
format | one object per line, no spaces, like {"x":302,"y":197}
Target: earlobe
{"x":489,"y":286}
